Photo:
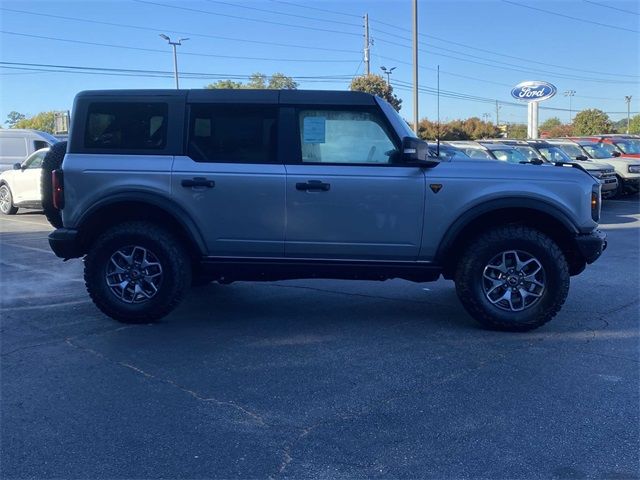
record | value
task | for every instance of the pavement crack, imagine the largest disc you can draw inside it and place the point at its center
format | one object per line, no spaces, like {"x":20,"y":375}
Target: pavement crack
{"x":257,"y":418}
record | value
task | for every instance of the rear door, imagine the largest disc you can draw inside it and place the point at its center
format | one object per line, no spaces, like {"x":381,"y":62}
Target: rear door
{"x":231,"y":181}
{"x":348,"y":197}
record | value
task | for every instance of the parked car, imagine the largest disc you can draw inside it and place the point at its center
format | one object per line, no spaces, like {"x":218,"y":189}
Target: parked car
{"x":523,"y":147}
{"x":447,"y":152}
{"x":159,"y":186}
{"x":490,"y":151}
{"x":604,"y":172}
{"x":627,"y":168}
{"x":20,"y":186}
{"x":625,"y":145}
{"x":17,"y":144}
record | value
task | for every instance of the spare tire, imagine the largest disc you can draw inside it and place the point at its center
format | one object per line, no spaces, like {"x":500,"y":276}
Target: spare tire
{"x":52,"y":161}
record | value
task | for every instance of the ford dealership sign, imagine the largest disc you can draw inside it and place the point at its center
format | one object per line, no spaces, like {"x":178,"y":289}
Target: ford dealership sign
{"x":533,"y":91}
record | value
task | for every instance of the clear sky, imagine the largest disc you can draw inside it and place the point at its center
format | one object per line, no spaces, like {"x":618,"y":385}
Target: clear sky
{"x":483,"y":48}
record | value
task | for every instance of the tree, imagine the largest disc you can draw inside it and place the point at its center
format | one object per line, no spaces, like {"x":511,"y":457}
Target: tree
{"x":376,"y":85}
{"x":279,"y":81}
{"x":259,"y":81}
{"x":564,"y":130}
{"x":517,"y":130}
{"x":550,"y":123}
{"x":634,"y":124}
{"x":225,"y":84}
{"x":13,"y":118}
{"x":43,"y":121}
{"x":592,"y":122}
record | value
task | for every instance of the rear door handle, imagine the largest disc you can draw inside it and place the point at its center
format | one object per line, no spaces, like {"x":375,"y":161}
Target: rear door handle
{"x":313,"y":185}
{"x":198,"y":182}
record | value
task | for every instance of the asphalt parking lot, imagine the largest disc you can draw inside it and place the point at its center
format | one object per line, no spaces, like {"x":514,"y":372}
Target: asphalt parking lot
{"x":318,"y":379}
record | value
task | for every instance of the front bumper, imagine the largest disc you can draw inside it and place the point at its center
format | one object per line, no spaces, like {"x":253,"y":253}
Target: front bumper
{"x":632,"y":184}
{"x":591,"y":245}
{"x":65,"y":243}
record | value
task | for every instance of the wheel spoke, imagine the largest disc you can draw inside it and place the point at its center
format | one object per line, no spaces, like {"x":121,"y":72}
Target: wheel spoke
{"x":133,"y":274}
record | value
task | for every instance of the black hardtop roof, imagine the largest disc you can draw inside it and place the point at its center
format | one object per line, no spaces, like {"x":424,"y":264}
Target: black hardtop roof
{"x":291,"y":97}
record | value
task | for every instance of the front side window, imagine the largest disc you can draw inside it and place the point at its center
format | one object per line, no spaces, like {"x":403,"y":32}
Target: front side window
{"x":34,"y":161}
{"x":38,"y":144}
{"x":572,"y":150}
{"x":477,"y":153}
{"x":340,"y":136}
{"x":237,"y":134}
{"x":509,"y":155}
{"x":126,"y":126}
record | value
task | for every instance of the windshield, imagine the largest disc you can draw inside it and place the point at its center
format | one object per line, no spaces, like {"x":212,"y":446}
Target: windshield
{"x":554,"y":154}
{"x":510,"y":155}
{"x":599,"y":150}
{"x":476,"y":153}
{"x":629,"y":145}
{"x":396,"y":120}
{"x":448,"y":153}
{"x":528,"y":152}
{"x":572,"y":150}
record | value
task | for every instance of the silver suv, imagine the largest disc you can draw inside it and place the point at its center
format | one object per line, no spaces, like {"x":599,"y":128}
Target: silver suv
{"x":160,"y":189}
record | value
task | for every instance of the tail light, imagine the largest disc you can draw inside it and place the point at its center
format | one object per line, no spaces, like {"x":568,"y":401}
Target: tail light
{"x":57,"y":186}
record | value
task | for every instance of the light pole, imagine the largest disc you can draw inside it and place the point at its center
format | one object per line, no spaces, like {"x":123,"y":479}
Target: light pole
{"x":175,"y":55}
{"x":388,"y":72}
{"x":570,"y":94}
{"x":627,"y":98}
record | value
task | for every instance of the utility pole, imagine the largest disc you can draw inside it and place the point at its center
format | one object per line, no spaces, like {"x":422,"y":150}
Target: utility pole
{"x":486,"y":116}
{"x":175,"y":55}
{"x":498,"y":107}
{"x":627,"y":99}
{"x":388,"y":72}
{"x":570,"y":94}
{"x":366,"y":44}
{"x":415,"y":66}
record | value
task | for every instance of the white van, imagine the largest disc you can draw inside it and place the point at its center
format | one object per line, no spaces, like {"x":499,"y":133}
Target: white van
{"x":17,"y":144}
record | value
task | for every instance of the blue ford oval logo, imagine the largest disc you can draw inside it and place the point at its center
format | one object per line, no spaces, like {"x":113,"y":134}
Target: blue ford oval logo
{"x":533,"y":91}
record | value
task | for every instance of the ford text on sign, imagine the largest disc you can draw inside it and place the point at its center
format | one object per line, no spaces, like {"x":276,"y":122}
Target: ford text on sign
{"x":533,"y":91}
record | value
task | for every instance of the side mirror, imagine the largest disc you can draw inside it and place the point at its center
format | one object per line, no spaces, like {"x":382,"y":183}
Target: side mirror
{"x":416,"y":152}
{"x":616,"y":154}
{"x":17,"y":166}
{"x":582,"y":158}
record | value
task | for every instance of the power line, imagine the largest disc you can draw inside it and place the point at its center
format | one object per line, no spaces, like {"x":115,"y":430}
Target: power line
{"x":193,"y":34}
{"x":316,"y":19}
{"x":271,"y":22}
{"x":519,"y":68}
{"x":571,"y":17}
{"x":156,"y":50}
{"x":612,"y":8}
{"x":318,"y":9}
{"x":492,"y":52}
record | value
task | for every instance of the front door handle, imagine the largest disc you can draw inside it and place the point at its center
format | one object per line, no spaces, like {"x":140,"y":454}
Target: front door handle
{"x":198,"y":182}
{"x":313,"y":185}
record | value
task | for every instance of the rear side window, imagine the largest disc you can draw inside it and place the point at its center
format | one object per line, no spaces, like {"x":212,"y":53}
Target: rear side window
{"x":237,"y":134}
{"x":13,"y":147}
{"x":126,"y":126}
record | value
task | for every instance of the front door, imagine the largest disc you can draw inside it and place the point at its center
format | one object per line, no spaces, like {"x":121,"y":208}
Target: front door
{"x":348,"y":197}
{"x":27,"y":180}
{"x":231,"y":182}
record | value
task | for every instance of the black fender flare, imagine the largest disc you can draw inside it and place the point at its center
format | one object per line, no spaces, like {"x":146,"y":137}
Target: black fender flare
{"x":162,"y":202}
{"x":458,"y":225}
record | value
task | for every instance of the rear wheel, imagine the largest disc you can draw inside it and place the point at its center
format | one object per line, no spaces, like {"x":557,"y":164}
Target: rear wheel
{"x":137,"y":272}
{"x":512,"y":278}
{"x":6,"y":201}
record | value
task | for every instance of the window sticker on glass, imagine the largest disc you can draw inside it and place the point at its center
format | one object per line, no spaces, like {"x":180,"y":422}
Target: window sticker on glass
{"x":313,"y":130}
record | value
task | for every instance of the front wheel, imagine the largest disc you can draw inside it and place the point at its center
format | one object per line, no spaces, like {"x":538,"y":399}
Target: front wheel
{"x":137,"y":272}
{"x":512,"y":278}
{"x":6,"y":201}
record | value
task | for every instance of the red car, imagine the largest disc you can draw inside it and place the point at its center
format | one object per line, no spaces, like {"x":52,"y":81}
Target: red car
{"x":625,"y":145}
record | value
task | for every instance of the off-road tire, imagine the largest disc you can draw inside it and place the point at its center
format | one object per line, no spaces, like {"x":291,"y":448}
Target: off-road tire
{"x":11,"y":208}
{"x":52,"y":161}
{"x":171,"y":254}
{"x":468,"y":278}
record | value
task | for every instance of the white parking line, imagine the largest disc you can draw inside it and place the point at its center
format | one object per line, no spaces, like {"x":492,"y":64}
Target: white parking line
{"x":24,"y":221}
{"x":35,"y":249}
